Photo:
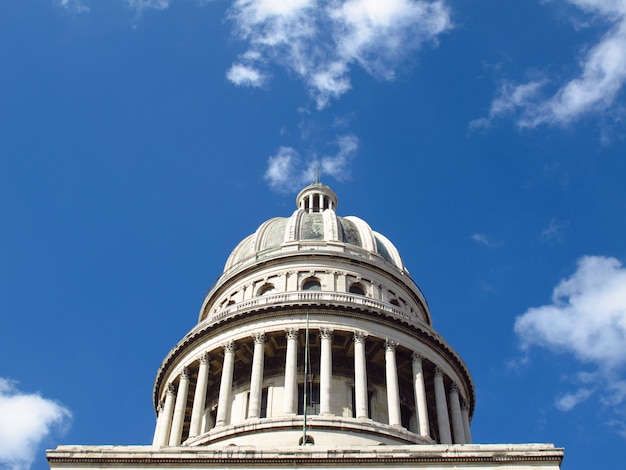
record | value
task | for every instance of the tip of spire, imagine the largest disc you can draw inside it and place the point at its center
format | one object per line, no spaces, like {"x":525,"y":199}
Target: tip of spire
{"x":317,"y":173}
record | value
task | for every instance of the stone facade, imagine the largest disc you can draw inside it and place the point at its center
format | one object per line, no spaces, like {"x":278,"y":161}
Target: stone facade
{"x":315,"y":334}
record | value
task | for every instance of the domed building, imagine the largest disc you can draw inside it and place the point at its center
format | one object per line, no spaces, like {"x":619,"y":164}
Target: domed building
{"x":314,"y":347}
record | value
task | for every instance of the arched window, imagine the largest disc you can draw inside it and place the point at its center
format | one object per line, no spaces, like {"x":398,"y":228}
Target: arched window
{"x":309,"y":440}
{"x":357,"y":289}
{"x":394,"y":302}
{"x":311,"y":284}
{"x":266,"y":289}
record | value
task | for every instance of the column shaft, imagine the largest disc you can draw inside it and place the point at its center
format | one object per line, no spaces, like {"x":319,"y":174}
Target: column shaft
{"x":443,"y":420}
{"x":179,"y":410}
{"x":458,"y":431}
{"x":256,"y":377}
{"x":291,"y":365}
{"x":420,"y":396}
{"x":326,"y":371}
{"x":393,"y":391}
{"x":360,"y":377}
{"x":466,"y":423}
{"x":199,"y":397}
{"x":168,"y":411}
{"x":159,"y":424}
{"x":226,"y":385}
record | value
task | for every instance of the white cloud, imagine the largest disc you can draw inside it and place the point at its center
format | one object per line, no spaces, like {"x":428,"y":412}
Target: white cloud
{"x":75,"y":6}
{"x":280,"y":168}
{"x":602,"y":76}
{"x":25,"y":421}
{"x":586,"y":318}
{"x":243,"y":75}
{"x":568,"y":401}
{"x":483,"y":239}
{"x":319,"y":40}
{"x":288,"y":171}
{"x":337,"y":165}
{"x":141,"y":5}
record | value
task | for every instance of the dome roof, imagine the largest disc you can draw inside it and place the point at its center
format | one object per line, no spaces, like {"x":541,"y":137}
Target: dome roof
{"x":314,"y":222}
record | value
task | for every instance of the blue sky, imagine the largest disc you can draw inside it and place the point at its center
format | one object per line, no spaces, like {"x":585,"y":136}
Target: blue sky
{"x":141,"y":140}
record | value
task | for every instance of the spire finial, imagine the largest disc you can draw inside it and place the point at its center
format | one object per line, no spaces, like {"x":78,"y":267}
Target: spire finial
{"x":317,"y":173}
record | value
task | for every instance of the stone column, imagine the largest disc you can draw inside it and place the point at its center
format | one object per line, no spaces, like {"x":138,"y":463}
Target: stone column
{"x":326,"y":370}
{"x":179,"y":410}
{"x":310,"y":203}
{"x":457,"y":420}
{"x":360,"y":376}
{"x":226,"y":384}
{"x":166,"y":417}
{"x":291,"y":369}
{"x":443,"y":420}
{"x":393,"y":391}
{"x":466,"y":423}
{"x":199,"y":397}
{"x":159,"y":424}
{"x":420,"y":396}
{"x":256,"y":377}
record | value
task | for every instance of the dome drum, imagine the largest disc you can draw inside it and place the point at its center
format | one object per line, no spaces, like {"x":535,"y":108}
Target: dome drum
{"x":342,"y":413}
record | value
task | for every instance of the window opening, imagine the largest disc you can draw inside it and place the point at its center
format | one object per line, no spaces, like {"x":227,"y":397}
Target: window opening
{"x":312,"y":284}
{"x":356,"y":289}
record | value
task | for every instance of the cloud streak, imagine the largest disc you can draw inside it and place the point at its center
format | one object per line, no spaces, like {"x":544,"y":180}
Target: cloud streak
{"x":602,"y":76}
{"x":287,"y":170}
{"x":74,"y":6}
{"x":587,"y":319}
{"x":319,"y":41}
{"x":25,"y":421}
{"x":482,"y":239}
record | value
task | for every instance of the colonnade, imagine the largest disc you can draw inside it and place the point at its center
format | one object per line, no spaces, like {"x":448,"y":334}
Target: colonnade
{"x":452,"y":415}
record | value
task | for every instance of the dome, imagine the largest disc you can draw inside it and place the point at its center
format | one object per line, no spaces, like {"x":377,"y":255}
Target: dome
{"x":314,"y":225}
{"x":330,"y":289}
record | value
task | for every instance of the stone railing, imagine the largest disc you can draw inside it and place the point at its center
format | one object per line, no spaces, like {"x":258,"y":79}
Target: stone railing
{"x":311,"y":298}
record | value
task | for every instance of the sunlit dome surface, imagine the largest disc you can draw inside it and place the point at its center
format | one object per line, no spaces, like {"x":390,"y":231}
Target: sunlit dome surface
{"x":314,"y":222}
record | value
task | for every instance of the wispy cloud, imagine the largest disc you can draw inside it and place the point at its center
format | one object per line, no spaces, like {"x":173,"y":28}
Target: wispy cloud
{"x":482,"y":239}
{"x":602,"y":76}
{"x":75,"y":6}
{"x":568,"y":401}
{"x":25,"y":420}
{"x":320,"y":40}
{"x":287,"y":170}
{"x":587,"y":319}
{"x":140,"y":5}
{"x":553,"y":232}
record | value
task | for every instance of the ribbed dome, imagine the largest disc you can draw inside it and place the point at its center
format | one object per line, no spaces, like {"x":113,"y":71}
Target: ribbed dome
{"x":313,"y":223}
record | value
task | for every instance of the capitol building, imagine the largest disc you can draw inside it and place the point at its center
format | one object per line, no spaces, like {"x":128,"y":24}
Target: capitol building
{"x":314,"y":348}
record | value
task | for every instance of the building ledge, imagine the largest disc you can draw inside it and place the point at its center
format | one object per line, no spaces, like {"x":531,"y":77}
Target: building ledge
{"x":544,"y":456}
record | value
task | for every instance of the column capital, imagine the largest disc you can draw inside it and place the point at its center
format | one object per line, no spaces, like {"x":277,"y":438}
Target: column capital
{"x":359,"y":336}
{"x":438,"y":372}
{"x":205,"y":358}
{"x":292,"y":333}
{"x":465,"y":406}
{"x":326,"y":333}
{"x":184,"y":374}
{"x":454,"y":388}
{"x":229,"y":346}
{"x":417,"y":357}
{"x":259,"y":338}
{"x":390,"y":345}
{"x":170,"y":389}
